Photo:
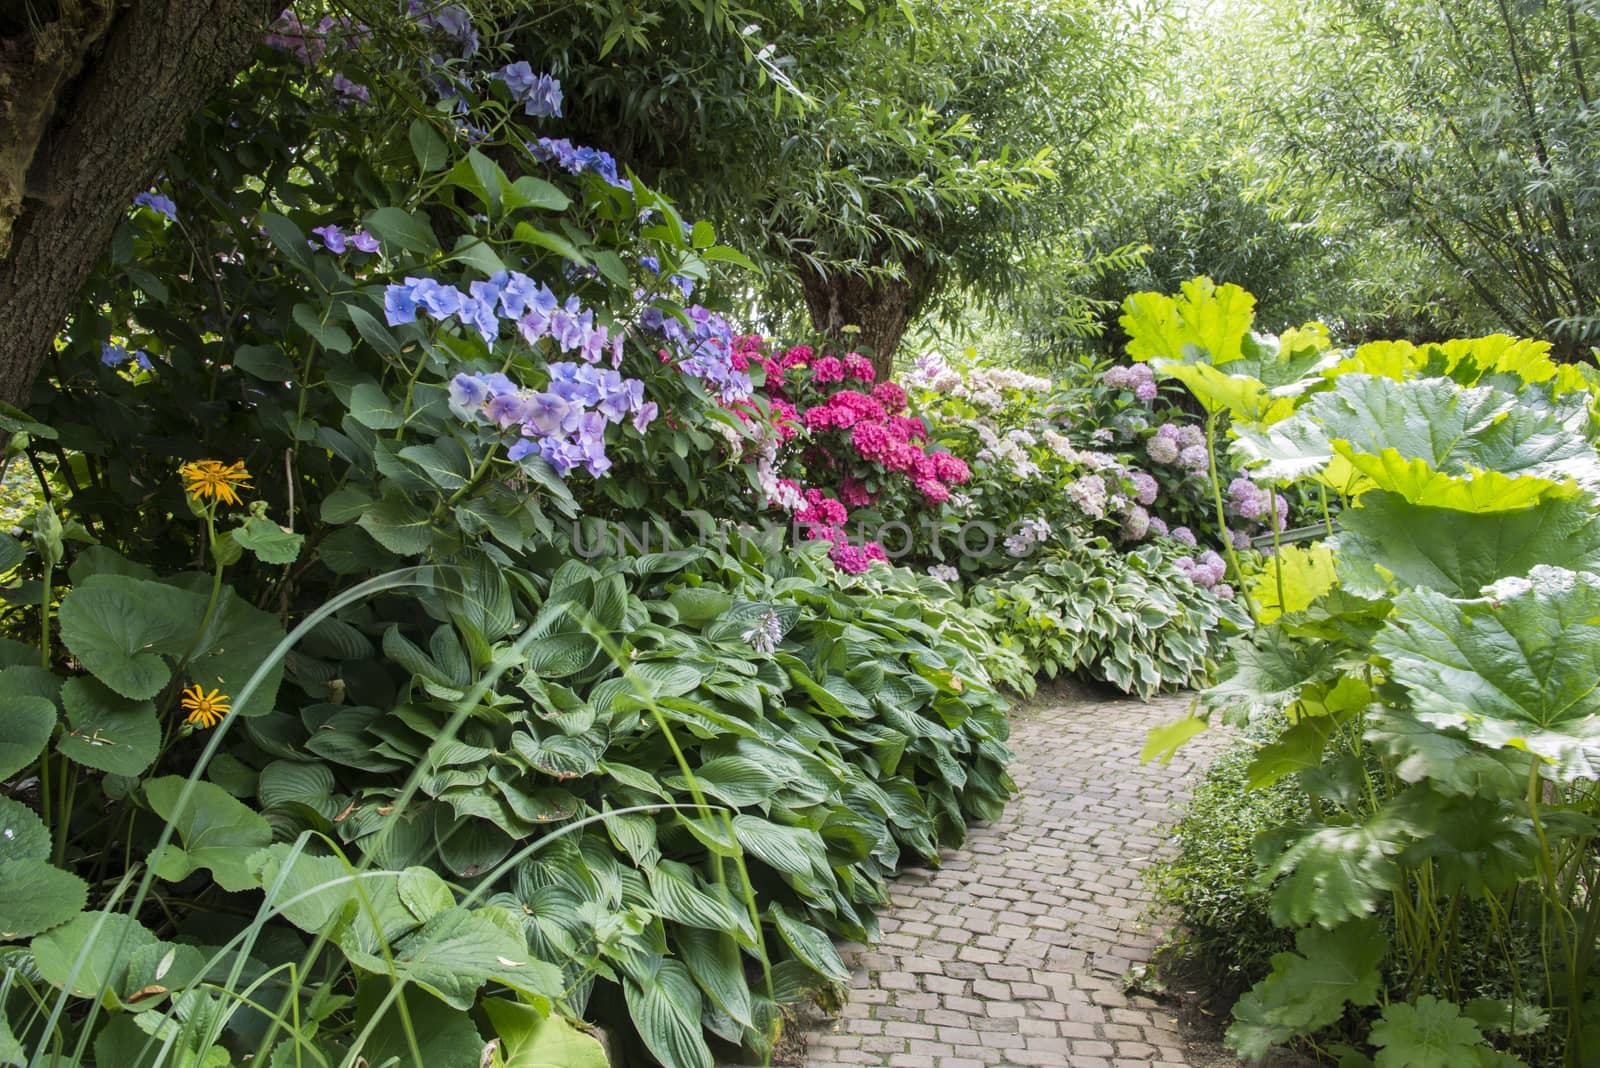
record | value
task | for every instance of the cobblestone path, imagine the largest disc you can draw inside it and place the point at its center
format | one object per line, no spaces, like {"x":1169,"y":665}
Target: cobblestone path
{"x":1013,"y":952}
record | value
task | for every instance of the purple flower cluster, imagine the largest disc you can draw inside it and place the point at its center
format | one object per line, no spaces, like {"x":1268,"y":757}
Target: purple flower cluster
{"x":450,"y":21}
{"x":575,"y":159}
{"x":1206,"y":571}
{"x":510,"y":295}
{"x":348,"y":91}
{"x":1145,"y":487}
{"x":1136,"y":377}
{"x":705,"y":350}
{"x":1250,"y":501}
{"x":565,"y":423}
{"x":309,"y":44}
{"x":115,"y":356}
{"x":161,"y":205}
{"x":539,"y":94}
{"x":1183,"y":445}
{"x":336,"y":241}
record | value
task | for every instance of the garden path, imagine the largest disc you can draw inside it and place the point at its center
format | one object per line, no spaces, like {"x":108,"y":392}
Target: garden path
{"x":1013,"y":952}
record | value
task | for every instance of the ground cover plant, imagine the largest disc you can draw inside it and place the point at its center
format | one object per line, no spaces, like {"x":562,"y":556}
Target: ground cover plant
{"x":1433,"y":663}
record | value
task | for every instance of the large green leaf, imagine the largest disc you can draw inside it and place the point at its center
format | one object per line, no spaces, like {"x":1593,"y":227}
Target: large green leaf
{"x":1429,"y":1034}
{"x":713,"y":958}
{"x":1210,"y":319}
{"x":108,"y":942}
{"x":26,"y":723}
{"x":809,"y":944}
{"x":215,"y":830}
{"x":107,"y":731}
{"x":533,"y":1039}
{"x":665,"y":1006}
{"x":1331,"y":874}
{"x":36,"y":896}
{"x":22,"y":834}
{"x":456,"y":952}
{"x":1456,"y":553}
{"x":1437,"y":444}
{"x":1308,"y":989}
{"x":119,"y":628}
{"x":1517,"y":668}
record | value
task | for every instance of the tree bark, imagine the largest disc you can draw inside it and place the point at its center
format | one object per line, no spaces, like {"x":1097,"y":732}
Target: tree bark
{"x":90,"y":102}
{"x":880,"y":308}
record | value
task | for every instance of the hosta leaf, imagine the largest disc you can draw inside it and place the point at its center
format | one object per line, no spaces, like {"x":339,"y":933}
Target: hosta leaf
{"x":26,"y":723}
{"x":809,"y":944}
{"x":215,"y":831}
{"x":107,"y":731}
{"x":1308,"y":989}
{"x":1517,"y":669}
{"x":739,"y":781}
{"x":533,"y":1039}
{"x":1429,"y":1034}
{"x":665,"y":1007}
{"x":713,"y":958}
{"x":678,"y":897}
{"x":1387,"y":539}
{"x":404,"y":528}
{"x":792,"y":850}
{"x":36,"y":896}
{"x":456,"y":952}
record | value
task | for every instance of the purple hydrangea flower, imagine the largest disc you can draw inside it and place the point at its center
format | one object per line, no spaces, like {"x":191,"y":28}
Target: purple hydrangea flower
{"x":333,"y":239}
{"x":645,"y":416}
{"x":365,"y":242}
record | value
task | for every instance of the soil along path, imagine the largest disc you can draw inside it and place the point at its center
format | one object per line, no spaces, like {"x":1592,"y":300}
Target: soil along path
{"x":1014,"y":953}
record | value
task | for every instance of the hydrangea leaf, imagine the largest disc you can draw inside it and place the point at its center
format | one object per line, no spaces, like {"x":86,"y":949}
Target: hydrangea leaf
{"x":1308,"y":989}
{"x":1390,"y":540}
{"x":1428,"y":1034}
{"x":1515,"y":669}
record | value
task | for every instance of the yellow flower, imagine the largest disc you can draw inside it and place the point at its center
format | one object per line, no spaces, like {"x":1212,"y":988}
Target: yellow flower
{"x":205,"y":709}
{"x":215,"y":480}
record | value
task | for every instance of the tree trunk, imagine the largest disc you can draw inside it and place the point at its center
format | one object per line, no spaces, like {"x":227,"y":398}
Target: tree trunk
{"x":91,"y":99}
{"x":880,"y":308}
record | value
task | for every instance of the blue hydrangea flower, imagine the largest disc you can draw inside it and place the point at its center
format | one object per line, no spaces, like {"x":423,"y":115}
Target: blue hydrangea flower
{"x":645,"y":416}
{"x":161,"y":205}
{"x":399,"y":305}
{"x":467,"y":395}
{"x":365,"y":242}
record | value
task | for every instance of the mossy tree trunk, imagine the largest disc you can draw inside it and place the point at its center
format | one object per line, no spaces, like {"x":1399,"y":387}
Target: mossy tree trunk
{"x":880,"y":307}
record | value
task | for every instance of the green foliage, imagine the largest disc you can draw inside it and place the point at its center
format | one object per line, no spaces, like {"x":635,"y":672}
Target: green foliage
{"x":1129,"y":618}
{"x":1436,"y":688}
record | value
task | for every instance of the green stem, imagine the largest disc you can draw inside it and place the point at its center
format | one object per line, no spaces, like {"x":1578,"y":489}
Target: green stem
{"x":68,"y":787}
{"x":1327,"y":517}
{"x":1277,"y":546}
{"x":44,"y":618}
{"x":1222,"y":520}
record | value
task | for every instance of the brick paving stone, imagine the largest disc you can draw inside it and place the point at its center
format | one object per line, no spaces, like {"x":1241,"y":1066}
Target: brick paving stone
{"x":1011,"y":954}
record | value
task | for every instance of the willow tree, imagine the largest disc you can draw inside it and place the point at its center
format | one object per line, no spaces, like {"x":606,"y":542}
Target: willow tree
{"x":878,"y":157}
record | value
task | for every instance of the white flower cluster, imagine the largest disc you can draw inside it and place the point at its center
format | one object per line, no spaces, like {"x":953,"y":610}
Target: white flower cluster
{"x":1089,"y":494}
{"x":1007,"y":451}
{"x":944,"y":573}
